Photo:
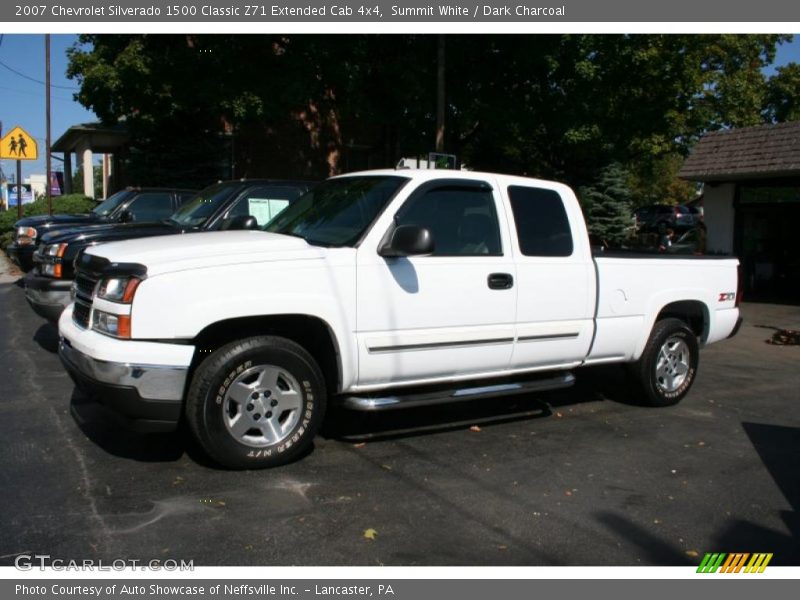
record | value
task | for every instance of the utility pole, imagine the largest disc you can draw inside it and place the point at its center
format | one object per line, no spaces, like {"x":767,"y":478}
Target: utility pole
{"x":47,"y":110}
{"x":19,"y":189}
{"x":440,"y":103}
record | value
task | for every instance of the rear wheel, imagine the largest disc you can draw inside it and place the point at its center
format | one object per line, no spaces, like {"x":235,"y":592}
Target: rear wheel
{"x":666,"y":370}
{"x":256,"y":403}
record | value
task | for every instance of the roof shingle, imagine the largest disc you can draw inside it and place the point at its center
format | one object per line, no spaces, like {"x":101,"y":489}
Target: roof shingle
{"x":748,"y":152}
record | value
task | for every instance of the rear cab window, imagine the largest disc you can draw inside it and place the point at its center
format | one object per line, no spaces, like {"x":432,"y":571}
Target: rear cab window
{"x":541,"y":221}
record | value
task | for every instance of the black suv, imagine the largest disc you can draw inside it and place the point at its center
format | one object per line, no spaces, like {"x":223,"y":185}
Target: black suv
{"x":130,"y":204}
{"x":243,"y":204}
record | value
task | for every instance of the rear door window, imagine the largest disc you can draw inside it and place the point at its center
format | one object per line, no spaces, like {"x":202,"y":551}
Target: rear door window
{"x":542,"y":225}
{"x":184,"y":197}
{"x":151,"y":206}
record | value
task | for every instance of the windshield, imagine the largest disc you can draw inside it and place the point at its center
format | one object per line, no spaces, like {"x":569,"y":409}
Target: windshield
{"x":338,"y":211}
{"x":107,"y":206}
{"x":198,"y":210}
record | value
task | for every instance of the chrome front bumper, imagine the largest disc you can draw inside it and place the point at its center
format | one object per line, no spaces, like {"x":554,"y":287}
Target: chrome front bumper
{"x":151,"y":382}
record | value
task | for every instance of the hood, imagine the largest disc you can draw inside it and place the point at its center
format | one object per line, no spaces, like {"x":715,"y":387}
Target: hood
{"x":50,"y":221}
{"x":105,"y":232}
{"x":207,"y":249}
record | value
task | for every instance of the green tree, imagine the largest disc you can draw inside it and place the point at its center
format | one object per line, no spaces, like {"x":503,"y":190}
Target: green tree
{"x":97,"y":175}
{"x":554,"y":106}
{"x":783,"y":94}
{"x":608,"y":204}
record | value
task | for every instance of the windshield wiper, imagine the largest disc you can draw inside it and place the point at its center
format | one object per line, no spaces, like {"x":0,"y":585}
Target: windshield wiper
{"x":319,"y":243}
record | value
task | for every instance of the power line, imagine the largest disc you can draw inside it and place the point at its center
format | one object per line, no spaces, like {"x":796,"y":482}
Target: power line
{"x":24,"y":76}
{"x":34,"y":94}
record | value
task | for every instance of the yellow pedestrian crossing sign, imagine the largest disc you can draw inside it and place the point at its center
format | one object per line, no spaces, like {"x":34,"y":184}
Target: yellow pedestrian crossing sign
{"x":18,"y":144}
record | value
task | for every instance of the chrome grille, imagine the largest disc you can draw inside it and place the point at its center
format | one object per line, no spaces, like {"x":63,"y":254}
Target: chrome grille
{"x":84,"y":286}
{"x":85,"y":283}
{"x":80,"y":313}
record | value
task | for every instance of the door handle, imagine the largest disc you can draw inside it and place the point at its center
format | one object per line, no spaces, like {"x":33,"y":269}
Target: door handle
{"x":500,"y":281}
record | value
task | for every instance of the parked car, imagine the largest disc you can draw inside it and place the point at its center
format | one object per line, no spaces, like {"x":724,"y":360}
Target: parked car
{"x":130,"y":204}
{"x":380,"y":290}
{"x":237,"y":204}
{"x":664,"y":216}
{"x":689,"y":243}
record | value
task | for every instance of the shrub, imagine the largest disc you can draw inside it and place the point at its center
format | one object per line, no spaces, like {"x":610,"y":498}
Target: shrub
{"x":69,"y":204}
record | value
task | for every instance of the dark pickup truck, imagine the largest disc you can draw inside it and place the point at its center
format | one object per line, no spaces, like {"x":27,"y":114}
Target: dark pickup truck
{"x":242,"y":204}
{"x":130,"y":204}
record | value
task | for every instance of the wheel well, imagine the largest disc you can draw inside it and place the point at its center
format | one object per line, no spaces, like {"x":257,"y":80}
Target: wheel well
{"x":311,"y":333}
{"x":693,"y":312}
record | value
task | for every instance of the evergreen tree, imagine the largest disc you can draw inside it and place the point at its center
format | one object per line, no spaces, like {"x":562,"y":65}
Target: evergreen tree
{"x":608,"y":203}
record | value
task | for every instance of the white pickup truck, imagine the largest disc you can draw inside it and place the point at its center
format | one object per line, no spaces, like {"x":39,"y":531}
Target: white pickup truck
{"x":380,"y":290}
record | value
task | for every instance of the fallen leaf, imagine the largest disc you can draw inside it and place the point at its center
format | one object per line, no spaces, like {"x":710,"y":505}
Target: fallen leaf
{"x":559,"y":415}
{"x":370,"y":534}
{"x":568,"y":493}
{"x":475,"y":428}
{"x":360,"y":445}
{"x":692,"y":553}
{"x":502,"y":547}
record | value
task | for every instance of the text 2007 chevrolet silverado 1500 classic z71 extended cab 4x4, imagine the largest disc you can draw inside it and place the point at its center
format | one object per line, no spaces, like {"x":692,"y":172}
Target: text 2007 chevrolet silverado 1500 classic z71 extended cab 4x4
{"x":380,"y":289}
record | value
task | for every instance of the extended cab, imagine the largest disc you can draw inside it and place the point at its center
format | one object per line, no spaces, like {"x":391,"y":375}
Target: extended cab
{"x":380,"y":290}
{"x":238,"y":204}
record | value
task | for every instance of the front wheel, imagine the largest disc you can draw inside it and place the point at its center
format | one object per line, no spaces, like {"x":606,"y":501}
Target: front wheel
{"x":256,"y":403}
{"x":666,"y":370}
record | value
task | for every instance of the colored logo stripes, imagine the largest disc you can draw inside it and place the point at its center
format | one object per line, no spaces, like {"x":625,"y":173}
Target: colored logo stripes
{"x":734,"y":562}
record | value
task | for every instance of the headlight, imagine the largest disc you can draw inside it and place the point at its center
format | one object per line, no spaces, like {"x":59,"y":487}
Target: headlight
{"x":118,"y":326}
{"x":118,"y":289}
{"x":54,"y":253}
{"x":56,"y":250}
{"x":26,"y":235}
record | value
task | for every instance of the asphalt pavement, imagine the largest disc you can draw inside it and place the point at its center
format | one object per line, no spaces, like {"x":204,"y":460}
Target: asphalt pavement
{"x":578,"y":477}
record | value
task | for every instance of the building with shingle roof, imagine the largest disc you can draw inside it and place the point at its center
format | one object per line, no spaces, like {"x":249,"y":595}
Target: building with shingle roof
{"x":745,"y":153}
{"x":751,"y":202}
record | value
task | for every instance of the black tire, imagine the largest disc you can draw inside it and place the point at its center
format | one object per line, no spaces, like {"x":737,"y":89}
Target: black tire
{"x":652,"y":389}
{"x":209,"y":402}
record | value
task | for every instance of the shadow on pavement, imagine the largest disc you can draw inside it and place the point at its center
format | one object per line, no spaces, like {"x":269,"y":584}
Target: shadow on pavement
{"x":47,"y":337}
{"x":104,"y":429}
{"x":101,"y":427}
{"x":779,"y":449}
{"x":593,"y":384}
{"x":657,"y":551}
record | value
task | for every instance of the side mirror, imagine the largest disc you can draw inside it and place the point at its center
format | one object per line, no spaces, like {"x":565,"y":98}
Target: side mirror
{"x":408,"y":240}
{"x":239,"y":222}
{"x":126,"y":216}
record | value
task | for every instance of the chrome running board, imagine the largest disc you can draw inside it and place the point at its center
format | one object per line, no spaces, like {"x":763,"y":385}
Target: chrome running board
{"x":374,"y":403}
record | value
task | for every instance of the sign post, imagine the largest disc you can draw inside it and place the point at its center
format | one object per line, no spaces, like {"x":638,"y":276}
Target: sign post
{"x":19,"y":145}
